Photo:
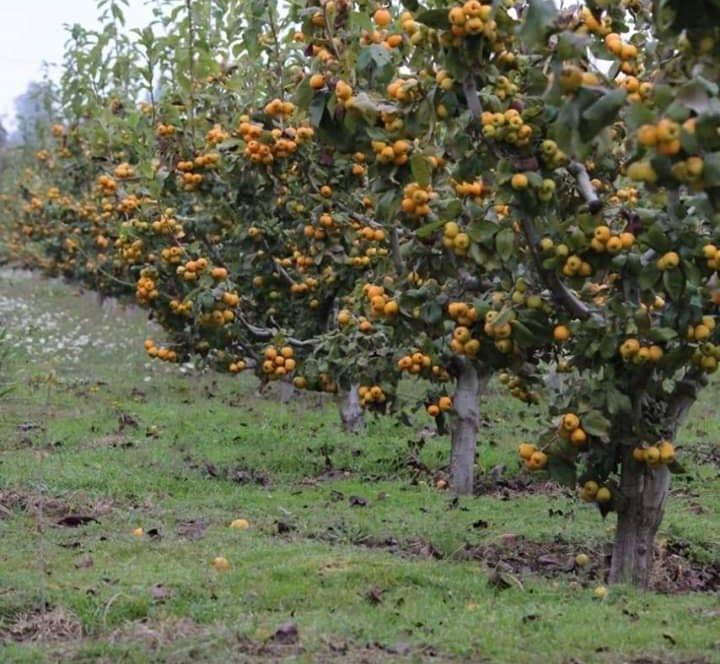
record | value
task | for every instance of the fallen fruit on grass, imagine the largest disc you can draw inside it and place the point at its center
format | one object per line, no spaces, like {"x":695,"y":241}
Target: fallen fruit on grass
{"x":138,"y":532}
{"x":240,"y":524}
{"x":221,"y":564}
{"x":582,"y":559}
{"x":601,"y":592}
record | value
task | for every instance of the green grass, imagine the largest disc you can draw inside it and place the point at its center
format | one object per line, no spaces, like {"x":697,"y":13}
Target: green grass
{"x":323,"y":570}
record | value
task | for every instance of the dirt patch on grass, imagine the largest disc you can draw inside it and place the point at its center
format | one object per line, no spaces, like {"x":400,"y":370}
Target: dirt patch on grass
{"x":52,"y":507}
{"x":675,"y":571}
{"x":511,"y":558}
{"x":43,"y":626}
{"x":704,"y":453}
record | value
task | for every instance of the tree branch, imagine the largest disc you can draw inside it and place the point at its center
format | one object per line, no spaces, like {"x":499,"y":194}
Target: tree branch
{"x":562,"y":295}
{"x":579,"y":172}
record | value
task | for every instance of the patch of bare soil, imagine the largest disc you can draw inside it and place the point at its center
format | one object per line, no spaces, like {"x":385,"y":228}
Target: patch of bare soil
{"x":42,"y":626}
{"x":704,"y":453}
{"x":73,"y":509}
{"x":675,"y":571}
{"x":511,"y":558}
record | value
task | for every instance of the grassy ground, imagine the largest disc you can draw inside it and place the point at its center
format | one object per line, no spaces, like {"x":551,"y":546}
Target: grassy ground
{"x":365,"y":558}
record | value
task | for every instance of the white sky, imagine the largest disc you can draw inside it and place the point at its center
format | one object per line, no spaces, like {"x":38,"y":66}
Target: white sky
{"x":31,"y":32}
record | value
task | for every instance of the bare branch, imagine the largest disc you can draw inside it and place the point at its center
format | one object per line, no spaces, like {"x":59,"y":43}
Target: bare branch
{"x":471,"y":95}
{"x":579,"y":172}
{"x":395,"y":248}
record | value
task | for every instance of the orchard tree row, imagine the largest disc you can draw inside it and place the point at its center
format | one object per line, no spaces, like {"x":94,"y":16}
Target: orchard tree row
{"x":342,"y":194}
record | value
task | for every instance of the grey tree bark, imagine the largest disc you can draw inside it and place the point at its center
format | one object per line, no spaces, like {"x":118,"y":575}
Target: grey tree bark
{"x":644,"y":490}
{"x":640,"y":511}
{"x":470,"y":385}
{"x":351,"y":413}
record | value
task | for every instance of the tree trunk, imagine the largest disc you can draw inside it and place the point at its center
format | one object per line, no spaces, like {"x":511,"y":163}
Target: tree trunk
{"x":470,"y":383}
{"x":351,"y":413}
{"x":640,"y":510}
{"x":644,"y":491}
{"x":287,"y":390}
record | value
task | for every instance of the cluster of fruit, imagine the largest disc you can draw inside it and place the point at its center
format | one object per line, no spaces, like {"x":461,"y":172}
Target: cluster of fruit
{"x":381,"y":304}
{"x":164,"y":130}
{"x":107,"y":185}
{"x":416,"y":200}
{"x":604,"y":240}
{"x":455,"y":239}
{"x":508,"y":127}
{"x":216,"y":135}
{"x":146,"y":290}
{"x":414,"y":363}
{"x":592,"y":492}
{"x":192,"y":269}
{"x":280,"y":108}
{"x":278,"y":362}
{"x":181,"y":308}
{"x":442,"y":405}
{"x":655,"y":455}
{"x":533,"y":458}
{"x":571,"y":429}
{"x":371,"y":395}
{"x":124,"y":171}
{"x":159,"y":352}
{"x":396,"y":153}
{"x":632,"y":351}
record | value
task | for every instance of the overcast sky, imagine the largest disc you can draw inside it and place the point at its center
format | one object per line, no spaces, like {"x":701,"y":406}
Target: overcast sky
{"x":32,"y":32}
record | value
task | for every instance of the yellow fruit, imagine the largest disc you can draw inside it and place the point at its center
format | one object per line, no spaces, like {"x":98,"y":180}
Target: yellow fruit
{"x":445,"y":403}
{"x":570,"y":422}
{"x":138,"y":532}
{"x":667,"y":452}
{"x":221,"y":564}
{"x":240,"y":524}
{"x":519,"y":181}
{"x":526,"y":450}
{"x":537,"y":461}
{"x":582,"y":559}
{"x":561,"y":333}
{"x":601,"y":592}
{"x":603,"y":495}
{"x":382,"y":18}
{"x":578,"y":437}
{"x":652,"y":456}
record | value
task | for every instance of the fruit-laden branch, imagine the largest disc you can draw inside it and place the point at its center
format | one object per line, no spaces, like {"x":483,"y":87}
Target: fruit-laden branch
{"x":579,"y":172}
{"x":562,"y":295}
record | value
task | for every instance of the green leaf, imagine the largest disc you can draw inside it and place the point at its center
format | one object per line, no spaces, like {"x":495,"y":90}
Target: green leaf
{"x":662,"y":334}
{"x":435,"y":18}
{"x":596,"y":424}
{"x":674,"y":283}
{"x":617,"y":402}
{"x":562,"y":471}
{"x":711,"y":170}
{"x":481,"y":230}
{"x":505,"y":243}
{"x":603,"y":112}
{"x":657,"y":238}
{"x":420,"y":168}
{"x":539,"y":18}
{"x":649,"y":276}
{"x":428,"y":229}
